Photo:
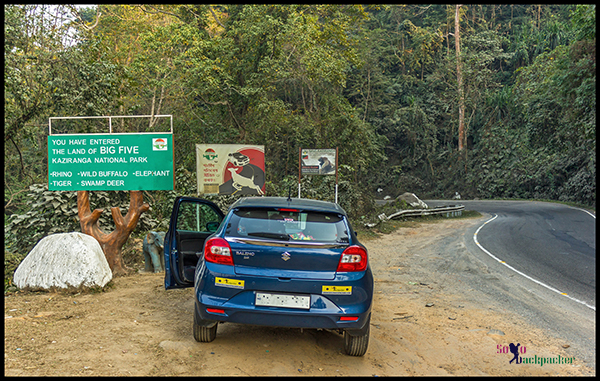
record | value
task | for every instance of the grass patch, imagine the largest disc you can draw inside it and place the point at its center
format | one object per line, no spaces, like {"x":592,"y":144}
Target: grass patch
{"x":69,"y":291}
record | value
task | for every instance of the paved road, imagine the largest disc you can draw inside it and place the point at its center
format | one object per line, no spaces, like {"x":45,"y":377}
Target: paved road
{"x":552,"y":247}
{"x":552,"y":243}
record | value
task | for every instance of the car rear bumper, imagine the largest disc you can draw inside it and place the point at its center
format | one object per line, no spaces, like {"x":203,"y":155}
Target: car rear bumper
{"x":347,"y":311}
{"x":283,"y":317}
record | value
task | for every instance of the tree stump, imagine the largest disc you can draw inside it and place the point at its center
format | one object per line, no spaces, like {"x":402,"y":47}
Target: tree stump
{"x":112,"y":243}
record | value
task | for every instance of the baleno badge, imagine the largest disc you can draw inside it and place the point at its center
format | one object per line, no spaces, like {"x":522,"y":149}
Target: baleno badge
{"x":285,"y":256}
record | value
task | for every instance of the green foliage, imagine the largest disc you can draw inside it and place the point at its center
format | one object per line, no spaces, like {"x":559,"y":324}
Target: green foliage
{"x":377,"y":83}
{"x":534,"y":139}
{"x":557,"y":98}
{"x":50,"y":212}
{"x":46,"y":74}
{"x":584,"y":21}
{"x":546,"y":148}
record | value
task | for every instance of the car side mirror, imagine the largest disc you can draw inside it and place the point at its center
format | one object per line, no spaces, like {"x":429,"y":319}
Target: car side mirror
{"x":212,"y":227}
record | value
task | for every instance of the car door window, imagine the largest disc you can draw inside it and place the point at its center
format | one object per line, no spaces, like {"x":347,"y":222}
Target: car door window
{"x":195,"y":223}
{"x":195,"y":217}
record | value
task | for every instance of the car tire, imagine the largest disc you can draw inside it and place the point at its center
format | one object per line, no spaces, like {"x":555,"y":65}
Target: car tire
{"x":204,"y":333}
{"x":356,"y":345}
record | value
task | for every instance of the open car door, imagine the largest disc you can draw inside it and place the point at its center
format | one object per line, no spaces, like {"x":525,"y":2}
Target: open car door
{"x":193,"y":220}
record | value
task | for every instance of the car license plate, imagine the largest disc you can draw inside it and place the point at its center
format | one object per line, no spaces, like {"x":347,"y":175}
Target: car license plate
{"x":282,"y":300}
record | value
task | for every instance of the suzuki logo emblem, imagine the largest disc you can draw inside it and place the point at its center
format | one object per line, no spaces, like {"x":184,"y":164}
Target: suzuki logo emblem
{"x":286,"y":256}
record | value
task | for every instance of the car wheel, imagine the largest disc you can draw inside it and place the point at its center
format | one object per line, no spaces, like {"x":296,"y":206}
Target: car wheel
{"x":356,"y":345}
{"x":203,"y":332}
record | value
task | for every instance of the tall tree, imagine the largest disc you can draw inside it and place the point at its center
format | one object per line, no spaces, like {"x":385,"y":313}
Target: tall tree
{"x":459,"y":82}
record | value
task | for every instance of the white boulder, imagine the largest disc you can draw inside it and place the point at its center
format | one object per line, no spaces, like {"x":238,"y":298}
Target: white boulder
{"x":64,"y":260}
{"x":412,"y":200}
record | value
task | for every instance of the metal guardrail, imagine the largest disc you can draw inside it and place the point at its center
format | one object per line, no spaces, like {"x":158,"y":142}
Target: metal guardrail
{"x":449,"y":210}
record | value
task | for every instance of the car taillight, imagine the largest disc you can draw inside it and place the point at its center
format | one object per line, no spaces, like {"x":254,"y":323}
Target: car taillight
{"x":354,"y":258}
{"x":217,"y":250}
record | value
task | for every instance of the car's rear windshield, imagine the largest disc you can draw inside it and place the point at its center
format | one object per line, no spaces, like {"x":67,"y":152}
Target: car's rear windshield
{"x":287,"y":225}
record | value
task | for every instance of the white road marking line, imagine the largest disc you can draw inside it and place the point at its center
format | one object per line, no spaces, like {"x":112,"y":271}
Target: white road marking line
{"x":583,"y":210}
{"x":520,"y":273}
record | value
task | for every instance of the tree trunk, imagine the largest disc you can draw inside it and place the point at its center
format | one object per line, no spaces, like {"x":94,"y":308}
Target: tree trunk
{"x":111,"y":243}
{"x":459,"y":80}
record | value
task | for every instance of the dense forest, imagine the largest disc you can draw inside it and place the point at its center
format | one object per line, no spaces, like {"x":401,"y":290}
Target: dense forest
{"x":491,"y":101}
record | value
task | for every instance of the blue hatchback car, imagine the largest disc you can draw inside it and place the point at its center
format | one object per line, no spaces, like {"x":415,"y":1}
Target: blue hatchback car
{"x":271,"y":261}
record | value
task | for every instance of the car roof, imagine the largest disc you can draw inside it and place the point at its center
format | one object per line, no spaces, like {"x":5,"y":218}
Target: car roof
{"x":285,"y":202}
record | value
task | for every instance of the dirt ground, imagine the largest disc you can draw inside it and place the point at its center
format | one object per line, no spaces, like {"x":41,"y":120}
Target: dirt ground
{"x":425,"y":321}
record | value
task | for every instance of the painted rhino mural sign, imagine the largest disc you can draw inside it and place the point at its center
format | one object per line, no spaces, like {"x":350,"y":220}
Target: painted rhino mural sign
{"x":230,"y":169}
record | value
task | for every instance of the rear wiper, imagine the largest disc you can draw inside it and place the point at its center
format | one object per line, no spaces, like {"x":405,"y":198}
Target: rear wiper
{"x":279,"y":236}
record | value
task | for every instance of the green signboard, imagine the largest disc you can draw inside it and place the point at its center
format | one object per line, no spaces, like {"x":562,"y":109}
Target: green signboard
{"x":133,"y":161}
